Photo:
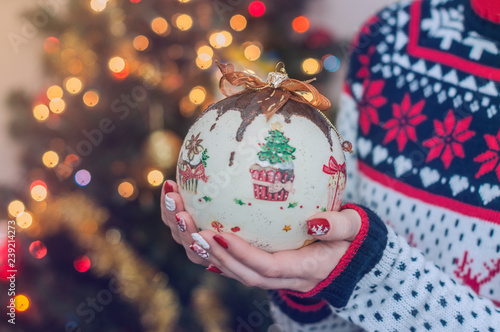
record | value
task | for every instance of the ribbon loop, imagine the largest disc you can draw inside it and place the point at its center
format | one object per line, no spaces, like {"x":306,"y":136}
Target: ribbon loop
{"x":281,"y":88}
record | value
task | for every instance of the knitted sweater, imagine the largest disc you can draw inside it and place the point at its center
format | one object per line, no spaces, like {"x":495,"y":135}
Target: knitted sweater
{"x":421,"y":102}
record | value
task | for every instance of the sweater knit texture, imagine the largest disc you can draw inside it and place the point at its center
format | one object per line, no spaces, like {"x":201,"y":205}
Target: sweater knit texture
{"x":421,"y":103}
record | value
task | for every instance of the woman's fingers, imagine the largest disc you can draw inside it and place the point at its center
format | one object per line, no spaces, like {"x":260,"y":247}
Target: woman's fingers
{"x":225,"y":252}
{"x":334,"y":226}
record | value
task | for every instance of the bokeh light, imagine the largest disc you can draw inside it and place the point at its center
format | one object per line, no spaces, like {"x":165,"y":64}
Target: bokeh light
{"x":98,"y":5}
{"x":331,"y":63}
{"x":38,"y":249}
{"x":21,"y":302}
{"x":126,"y":189}
{"x":184,"y":22}
{"x":57,"y":105}
{"x":82,"y":264}
{"x":252,"y":52}
{"x":54,"y":92}
{"x":155,"y":177}
{"x":203,"y":64}
{"x":39,"y":193}
{"x":73,"y":85}
{"x":116,"y":64}
{"x":75,"y":66}
{"x":238,"y":22}
{"x":159,"y":25}
{"x":141,"y":43}
{"x":311,"y":66}
{"x":15,"y":207}
{"x":91,"y":98}
{"x":256,"y":8}
{"x":82,"y":177}
{"x":50,"y":159}
{"x":113,"y":236}
{"x":24,"y":219}
{"x":220,"y":39}
{"x":205,"y":53}
{"x":197,"y":95}
{"x":186,"y":107}
{"x":41,"y":112}
{"x":51,"y":45}
{"x":300,"y":24}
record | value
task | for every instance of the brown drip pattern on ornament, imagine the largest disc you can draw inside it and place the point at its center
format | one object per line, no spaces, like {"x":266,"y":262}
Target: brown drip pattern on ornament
{"x":246,"y":103}
{"x":231,"y":158}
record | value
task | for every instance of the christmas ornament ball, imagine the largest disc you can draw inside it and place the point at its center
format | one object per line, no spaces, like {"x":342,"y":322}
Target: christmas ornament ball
{"x":261,"y":176}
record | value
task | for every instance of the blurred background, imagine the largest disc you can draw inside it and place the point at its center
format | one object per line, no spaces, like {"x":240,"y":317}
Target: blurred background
{"x":95,"y":100}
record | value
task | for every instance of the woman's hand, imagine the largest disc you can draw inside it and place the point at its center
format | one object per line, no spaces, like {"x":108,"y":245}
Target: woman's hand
{"x":300,"y":270}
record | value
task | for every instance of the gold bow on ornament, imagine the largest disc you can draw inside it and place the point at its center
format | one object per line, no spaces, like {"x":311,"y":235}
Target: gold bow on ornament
{"x":274,"y":93}
{"x":278,"y":89}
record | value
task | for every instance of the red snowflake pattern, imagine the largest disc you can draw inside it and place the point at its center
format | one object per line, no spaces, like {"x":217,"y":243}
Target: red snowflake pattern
{"x":364,"y":60}
{"x":490,"y":159}
{"x":369,"y":104}
{"x":406,"y":118}
{"x":450,"y":135}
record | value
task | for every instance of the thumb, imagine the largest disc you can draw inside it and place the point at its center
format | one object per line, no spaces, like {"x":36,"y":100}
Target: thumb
{"x":334,"y":226}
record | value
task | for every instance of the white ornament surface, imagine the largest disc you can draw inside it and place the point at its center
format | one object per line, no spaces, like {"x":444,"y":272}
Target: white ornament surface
{"x":222,"y":197}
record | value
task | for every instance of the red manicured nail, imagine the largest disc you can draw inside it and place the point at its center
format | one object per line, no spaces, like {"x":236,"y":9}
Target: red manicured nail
{"x":318,"y":226}
{"x":167,"y":188}
{"x":220,"y":240}
{"x":213,"y":268}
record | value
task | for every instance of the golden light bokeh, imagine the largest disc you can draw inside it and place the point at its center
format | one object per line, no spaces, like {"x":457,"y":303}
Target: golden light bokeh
{"x":184,"y":22}
{"x":203,"y":64}
{"x":197,"y":95}
{"x":116,"y":64}
{"x":159,"y":25}
{"x":220,"y":39}
{"x":205,"y":53}
{"x":21,"y":302}
{"x":126,"y":189}
{"x":311,"y":66}
{"x":54,"y":92}
{"x":15,"y":207}
{"x":238,"y":22}
{"x":186,"y":107}
{"x":24,"y":219}
{"x":39,"y":193}
{"x":73,"y":85}
{"x":140,"y":43}
{"x":91,"y":98}
{"x":252,"y":52}
{"x":75,"y":66}
{"x":98,"y":5}
{"x":57,"y":105}
{"x":50,"y":159}
{"x":41,"y":112}
{"x":184,"y":1}
{"x":155,"y":177}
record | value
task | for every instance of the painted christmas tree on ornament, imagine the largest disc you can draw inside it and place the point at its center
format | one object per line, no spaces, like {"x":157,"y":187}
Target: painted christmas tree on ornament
{"x":260,"y":162}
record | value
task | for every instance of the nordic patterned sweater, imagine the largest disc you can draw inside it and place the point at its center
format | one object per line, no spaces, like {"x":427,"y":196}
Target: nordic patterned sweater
{"x":421,"y":101}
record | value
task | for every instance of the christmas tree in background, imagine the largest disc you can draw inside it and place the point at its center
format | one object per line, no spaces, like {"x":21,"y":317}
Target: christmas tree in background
{"x":276,"y":149}
{"x":126,"y":80}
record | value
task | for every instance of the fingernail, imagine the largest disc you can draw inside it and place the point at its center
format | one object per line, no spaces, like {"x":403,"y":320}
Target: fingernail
{"x":200,"y":240}
{"x":318,"y":226}
{"x":181,"y":223}
{"x":213,"y":268}
{"x":167,"y":188}
{"x":199,"y":250}
{"x":170,"y":203}
{"x":220,"y":240}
